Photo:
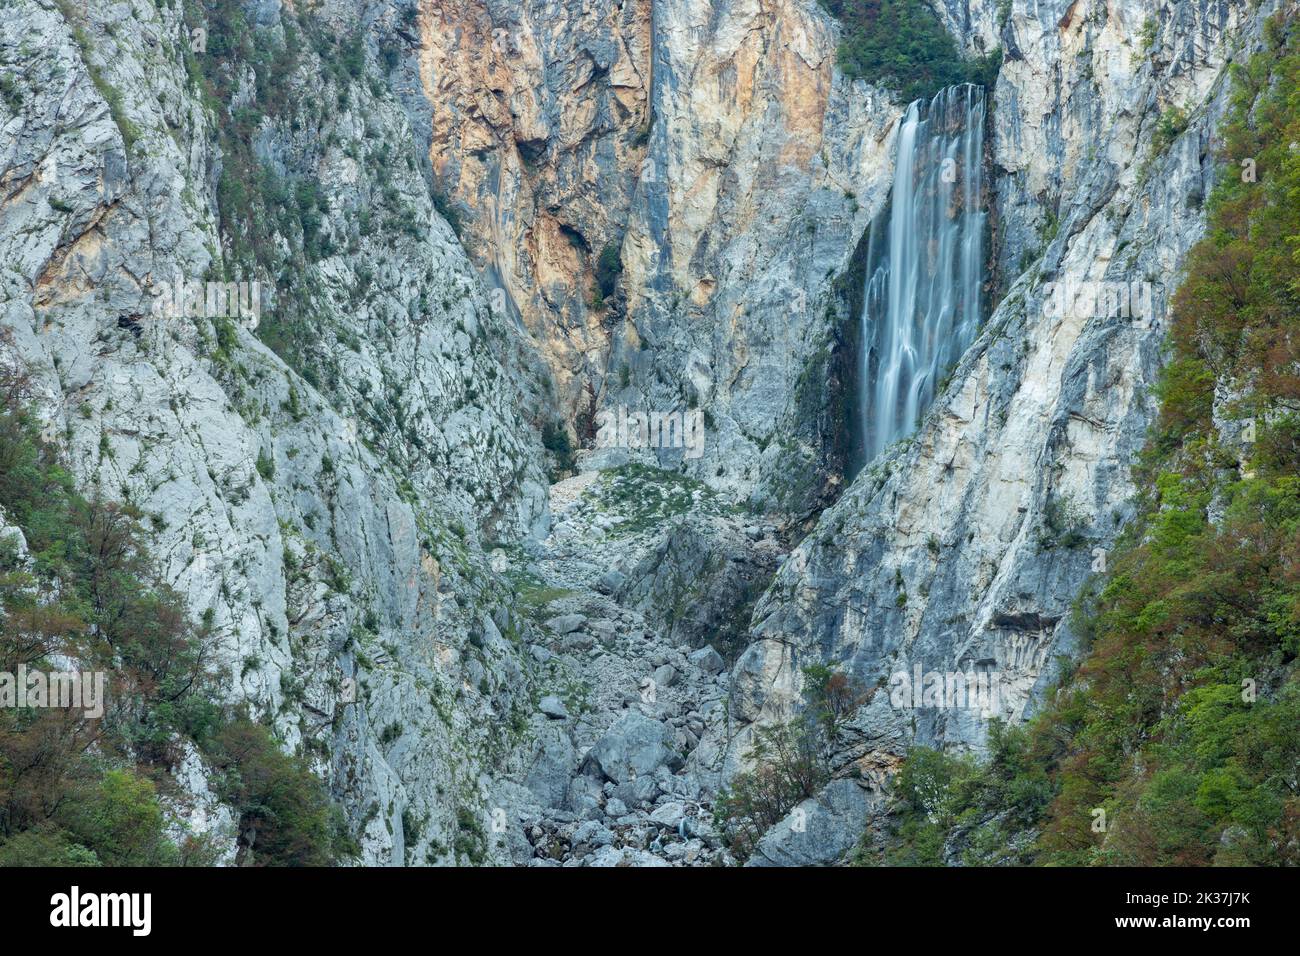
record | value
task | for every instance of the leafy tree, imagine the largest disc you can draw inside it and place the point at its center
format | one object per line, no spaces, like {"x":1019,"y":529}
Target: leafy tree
{"x":900,"y":44}
{"x":285,"y":817}
{"x":609,"y":266}
{"x":788,"y":765}
{"x":120,"y":821}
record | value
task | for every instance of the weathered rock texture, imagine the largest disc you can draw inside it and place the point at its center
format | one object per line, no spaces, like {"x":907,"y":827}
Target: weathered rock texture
{"x":709,"y":163}
{"x":963,"y":547}
{"x":537,"y":115}
{"x":733,"y":167}
{"x":329,"y":532}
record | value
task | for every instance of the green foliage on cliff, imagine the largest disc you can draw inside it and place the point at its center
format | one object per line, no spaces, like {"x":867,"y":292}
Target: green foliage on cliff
{"x":788,"y":762}
{"x":900,"y":44}
{"x":277,"y":220}
{"x":78,"y":790}
{"x":1175,"y":742}
{"x":609,"y":266}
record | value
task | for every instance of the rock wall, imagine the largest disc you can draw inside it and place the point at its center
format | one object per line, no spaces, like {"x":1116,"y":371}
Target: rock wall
{"x":537,"y":115}
{"x":329,"y":505}
{"x":328,"y":530}
{"x":962,"y":548}
{"x":719,"y":150}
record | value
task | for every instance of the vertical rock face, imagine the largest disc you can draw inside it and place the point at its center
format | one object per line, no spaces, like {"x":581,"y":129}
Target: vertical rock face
{"x":768,"y":164}
{"x":326,"y":525}
{"x":538,"y":113}
{"x":961,"y":549}
{"x":471,"y":218}
{"x":717,"y":151}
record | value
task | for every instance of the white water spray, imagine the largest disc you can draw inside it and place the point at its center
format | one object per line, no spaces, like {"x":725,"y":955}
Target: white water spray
{"x":921,"y":307}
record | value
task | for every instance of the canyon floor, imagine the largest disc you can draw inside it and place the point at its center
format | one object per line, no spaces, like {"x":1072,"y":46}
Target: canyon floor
{"x":631,"y":685}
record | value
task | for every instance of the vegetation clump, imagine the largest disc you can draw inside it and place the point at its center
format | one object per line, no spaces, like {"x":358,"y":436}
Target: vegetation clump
{"x":788,"y":762}
{"x":901,"y":45}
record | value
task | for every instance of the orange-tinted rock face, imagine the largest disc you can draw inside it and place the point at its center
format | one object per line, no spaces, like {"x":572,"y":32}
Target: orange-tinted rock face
{"x":732,"y":178}
{"x":536,"y":134}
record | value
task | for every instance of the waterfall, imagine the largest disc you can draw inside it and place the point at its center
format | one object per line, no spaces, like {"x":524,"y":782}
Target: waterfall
{"x":921,"y":307}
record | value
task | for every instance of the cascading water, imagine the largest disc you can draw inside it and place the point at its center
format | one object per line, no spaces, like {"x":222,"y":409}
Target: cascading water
{"x":921,"y":307}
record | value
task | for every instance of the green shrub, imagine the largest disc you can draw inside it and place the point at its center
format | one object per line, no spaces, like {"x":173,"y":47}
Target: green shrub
{"x":609,"y":266}
{"x":443,"y":204}
{"x":902,"y":45}
{"x":285,"y":816}
{"x":47,"y":846}
{"x":556,"y":440}
{"x":121,"y":822}
{"x":1147,"y":35}
{"x":788,"y":765}
{"x":1173,"y":123}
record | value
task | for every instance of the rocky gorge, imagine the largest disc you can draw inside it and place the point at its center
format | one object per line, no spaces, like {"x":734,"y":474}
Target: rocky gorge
{"x":476,"y":231}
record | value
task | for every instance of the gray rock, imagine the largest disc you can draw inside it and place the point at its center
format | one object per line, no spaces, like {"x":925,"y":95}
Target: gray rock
{"x":627,"y":856}
{"x":516,"y":803}
{"x":566,"y":623}
{"x":665,"y":675}
{"x":707,"y":659}
{"x":639,"y":792}
{"x":550,"y":767}
{"x":668,"y":815}
{"x":593,"y":833}
{"x":701,"y":828}
{"x":611,"y":581}
{"x":553,"y":707}
{"x":583,"y":797}
{"x":634,"y":747}
{"x":819,"y":831}
{"x":578,"y":642}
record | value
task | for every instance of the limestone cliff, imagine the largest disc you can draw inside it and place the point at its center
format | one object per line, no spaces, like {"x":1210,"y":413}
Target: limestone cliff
{"x":325,"y":519}
{"x":963,"y":547}
{"x":719,"y":152}
{"x":476,"y":225}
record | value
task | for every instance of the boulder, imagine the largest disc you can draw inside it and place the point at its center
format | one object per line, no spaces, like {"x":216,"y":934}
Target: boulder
{"x":551,"y":765}
{"x":610,"y":582}
{"x":566,"y":623}
{"x":638,"y":792}
{"x":553,"y":707}
{"x":627,"y":856}
{"x":669,"y":815}
{"x":819,"y":831}
{"x":634,"y":747}
{"x":707,"y":660}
